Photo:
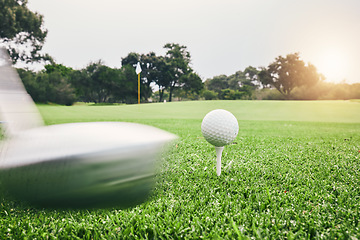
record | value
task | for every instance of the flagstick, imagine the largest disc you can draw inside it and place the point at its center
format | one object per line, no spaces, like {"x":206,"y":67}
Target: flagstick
{"x":139,"y":88}
{"x":138,"y":71}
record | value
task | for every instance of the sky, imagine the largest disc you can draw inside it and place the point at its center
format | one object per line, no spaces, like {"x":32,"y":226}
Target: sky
{"x":222,"y":36}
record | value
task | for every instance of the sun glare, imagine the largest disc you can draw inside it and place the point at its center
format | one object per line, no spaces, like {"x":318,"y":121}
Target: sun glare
{"x":333,"y":65}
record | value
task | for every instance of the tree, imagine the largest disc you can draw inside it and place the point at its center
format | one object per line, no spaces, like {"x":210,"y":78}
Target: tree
{"x":63,"y":70}
{"x":209,"y":95}
{"x":243,"y":82}
{"x":131,"y":59}
{"x":191,"y":83}
{"x":189,"y":88}
{"x":21,"y":31}
{"x":36,"y":90}
{"x":179,"y":59}
{"x":46,"y":87}
{"x":147,"y":62}
{"x":95,"y":83}
{"x":127,"y":90}
{"x":236,"y":81}
{"x":217,"y":83}
{"x":161,"y":74}
{"x":287,"y":73}
{"x":252,"y":76}
{"x":59,"y":89}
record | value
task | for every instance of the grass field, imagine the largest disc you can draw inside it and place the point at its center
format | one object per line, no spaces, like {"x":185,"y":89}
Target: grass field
{"x":293,"y":172}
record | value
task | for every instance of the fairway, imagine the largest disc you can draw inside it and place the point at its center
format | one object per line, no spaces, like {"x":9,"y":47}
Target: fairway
{"x":293,"y":172}
{"x":313,"y":111}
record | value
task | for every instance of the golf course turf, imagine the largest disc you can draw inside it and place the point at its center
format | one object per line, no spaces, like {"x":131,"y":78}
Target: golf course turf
{"x":293,"y":172}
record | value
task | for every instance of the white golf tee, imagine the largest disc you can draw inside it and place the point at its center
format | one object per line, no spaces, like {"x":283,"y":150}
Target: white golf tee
{"x":219,"y":151}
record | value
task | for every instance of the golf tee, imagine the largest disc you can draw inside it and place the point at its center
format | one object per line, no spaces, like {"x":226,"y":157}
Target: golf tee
{"x":219,"y":151}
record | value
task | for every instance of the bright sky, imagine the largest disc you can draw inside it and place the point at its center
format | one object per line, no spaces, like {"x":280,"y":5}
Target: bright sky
{"x":222,"y":36}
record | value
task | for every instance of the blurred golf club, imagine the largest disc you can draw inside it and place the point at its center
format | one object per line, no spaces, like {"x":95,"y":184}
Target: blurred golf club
{"x":75,"y":165}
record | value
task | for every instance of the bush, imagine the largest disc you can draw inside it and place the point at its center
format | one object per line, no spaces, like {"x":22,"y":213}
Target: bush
{"x":48,"y":87}
{"x":209,"y":95}
{"x":268,"y":94}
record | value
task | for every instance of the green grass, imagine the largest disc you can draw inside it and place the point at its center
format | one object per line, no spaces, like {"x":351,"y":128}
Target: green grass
{"x":314,"y":111}
{"x":292,"y":173}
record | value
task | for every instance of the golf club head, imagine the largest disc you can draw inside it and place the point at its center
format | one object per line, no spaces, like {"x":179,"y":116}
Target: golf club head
{"x":83,"y":165}
{"x":79,"y":165}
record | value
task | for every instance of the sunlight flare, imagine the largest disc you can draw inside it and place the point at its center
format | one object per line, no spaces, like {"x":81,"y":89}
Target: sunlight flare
{"x":333,"y":65}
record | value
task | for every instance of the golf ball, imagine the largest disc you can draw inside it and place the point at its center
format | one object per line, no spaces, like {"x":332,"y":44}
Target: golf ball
{"x":219,"y":127}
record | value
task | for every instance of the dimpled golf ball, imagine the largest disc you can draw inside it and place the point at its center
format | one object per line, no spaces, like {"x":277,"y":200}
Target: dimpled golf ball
{"x":219,"y":127}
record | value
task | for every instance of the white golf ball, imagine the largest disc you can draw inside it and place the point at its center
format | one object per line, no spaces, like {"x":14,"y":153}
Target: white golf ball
{"x":219,"y":127}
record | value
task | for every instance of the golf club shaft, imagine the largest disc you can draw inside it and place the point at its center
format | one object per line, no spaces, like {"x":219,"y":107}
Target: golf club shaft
{"x":18,"y":111}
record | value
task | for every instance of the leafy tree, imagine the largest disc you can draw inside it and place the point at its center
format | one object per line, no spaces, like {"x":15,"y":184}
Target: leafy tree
{"x":63,"y":70}
{"x":246,"y":91}
{"x":191,"y":83}
{"x":36,"y":90}
{"x":236,"y":80}
{"x":78,"y":83}
{"x":21,"y":31}
{"x":251,"y":74}
{"x":287,"y":73}
{"x":265,"y":77}
{"x":59,"y":89}
{"x":217,"y":83}
{"x":46,"y":87}
{"x":190,"y":88}
{"x":103,"y":79}
{"x":230,"y":94}
{"x":242,"y":84}
{"x":126,"y":89}
{"x":131,"y":59}
{"x":147,"y":62}
{"x":179,"y":59}
{"x":209,"y":95}
{"x":245,"y":82}
{"x":226,"y":94}
{"x":164,"y":72}
{"x":95,"y":82}
{"x":161,"y":74}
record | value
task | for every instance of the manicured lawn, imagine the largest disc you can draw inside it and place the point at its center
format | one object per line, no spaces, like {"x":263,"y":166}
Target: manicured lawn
{"x":315,"y":111}
{"x":292,"y":172}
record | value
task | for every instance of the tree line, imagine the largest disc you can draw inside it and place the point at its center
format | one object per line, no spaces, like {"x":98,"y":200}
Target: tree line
{"x":286,"y":78}
{"x":99,"y":83}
